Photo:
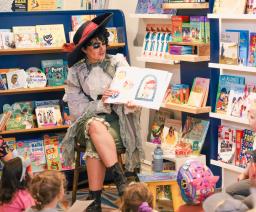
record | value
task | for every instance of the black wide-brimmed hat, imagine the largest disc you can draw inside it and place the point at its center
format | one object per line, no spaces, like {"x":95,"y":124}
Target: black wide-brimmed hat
{"x":84,"y":33}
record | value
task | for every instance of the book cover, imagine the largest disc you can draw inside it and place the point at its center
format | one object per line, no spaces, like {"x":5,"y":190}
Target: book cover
{"x":37,"y":155}
{"x":157,"y":176}
{"x":226,"y":144}
{"x":25,"y":36}
{"x":52,"y":152}
{"x":157,"y":127}
{"x":18,"y":122}
{"x":142,"y":6}
{"x":194,"y":133}
{"x":199,"y":92}
{"x":51,"y":35}
{"x":224,"y":7}
{"x":45,"y":117}
{"x":239,"y":137}
{"x":155,"y":6}
{"x":252,"y":50}
{"x":78,"y":20}
{"x":250,"y":7}
{"x":235,"y":101}
{"x":177,"y":22}
{"x":7,"y":38}
{"x":225,"y":84}
{"x":16,"y":79}
{"x":11,"y":143}
{"x":23,"y":148}
{"x":197,"y":28}
{"x":42,"y":5}
{"x":144,"y":87}
{"x":229,"y":46}
{"x":36,"y":78}
{"x":112,"y":35}
{"x":243,"y":46}
{"x":19,"y":5}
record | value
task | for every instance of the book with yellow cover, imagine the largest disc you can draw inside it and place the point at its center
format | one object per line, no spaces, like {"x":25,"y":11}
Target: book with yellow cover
{"x":51,"y":35}
{"x":42,"y":5}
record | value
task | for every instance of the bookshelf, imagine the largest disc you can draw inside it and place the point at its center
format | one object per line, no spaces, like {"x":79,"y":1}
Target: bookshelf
{"x":151,"y":16}
{"x":185,"y":6}
{"x":49,"y":50}
{"x":155,"y":60}
{"x":232,"y":17}
{"x":229,"y":118}
{"x":186,"y":108}
{"x":235,"y":68}
{"x":34,"y":130}
{"x":32,"y":90}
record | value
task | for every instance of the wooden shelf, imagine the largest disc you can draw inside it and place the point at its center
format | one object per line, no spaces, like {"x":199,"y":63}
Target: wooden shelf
{"x":189,"y":43}
{"x":229,"y":118}
{"x":151,"y":16}
{"x":42,"y":129}
{"x":185,"y":6}
{"x":233,"y":16}
{"x":32,"y":90}
{"x":155,"y":60}
{"x":188,"y":58}
{"x":187,"y":108}
{"x":47,"y":50}
{"x":230,"y":167}
{"x":233,"y":67}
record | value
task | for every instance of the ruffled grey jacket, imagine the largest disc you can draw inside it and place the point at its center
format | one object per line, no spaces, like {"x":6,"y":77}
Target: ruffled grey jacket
{"x":82,"y":108}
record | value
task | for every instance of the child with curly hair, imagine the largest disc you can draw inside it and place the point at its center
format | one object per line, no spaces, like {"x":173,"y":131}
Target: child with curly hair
{"x":14,"y":196}
{"x":47,"y":188}
{"x":137,"y":198}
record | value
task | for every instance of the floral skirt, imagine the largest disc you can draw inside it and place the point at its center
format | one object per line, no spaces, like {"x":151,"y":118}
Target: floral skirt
{"x":110,"y":121}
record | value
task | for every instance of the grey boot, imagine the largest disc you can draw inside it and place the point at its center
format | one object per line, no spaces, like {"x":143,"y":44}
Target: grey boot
{"x":119,"y":177}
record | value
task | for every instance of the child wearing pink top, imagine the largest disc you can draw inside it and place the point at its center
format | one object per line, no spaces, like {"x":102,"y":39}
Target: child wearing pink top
{"x":14,"y":196}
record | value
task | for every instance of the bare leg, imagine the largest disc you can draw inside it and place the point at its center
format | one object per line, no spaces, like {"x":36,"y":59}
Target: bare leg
{"x":103,"y":142}
{"x":96,"y":173}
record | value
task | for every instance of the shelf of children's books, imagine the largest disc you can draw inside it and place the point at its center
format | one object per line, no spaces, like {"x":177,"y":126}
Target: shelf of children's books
{"x":188,"y":58}
{"x":32,"y":90}
{"x":33,"y":130}
{"x":186,"y":108}
{"x":233,"y":16}
{"x":233,"y":67}
{"x":47,"y":50}
{"x":191,"y":5}
{"x":151,"y":16}
{"x":155,"y":60}
{"x":190,"y":43}
{"x":229,"y":118}
{"x":227,"y":166}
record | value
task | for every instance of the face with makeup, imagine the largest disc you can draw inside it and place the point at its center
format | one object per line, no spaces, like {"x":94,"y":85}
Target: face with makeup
{"x":95,"y":51}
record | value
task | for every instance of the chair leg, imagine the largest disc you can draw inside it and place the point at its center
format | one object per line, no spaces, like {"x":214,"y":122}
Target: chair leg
{"x":76,"y":176}
{"x":120,"y":160}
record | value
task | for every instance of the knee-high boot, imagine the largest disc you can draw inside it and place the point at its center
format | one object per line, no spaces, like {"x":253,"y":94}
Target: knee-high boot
{"x":95,"y":206}
{"x":119,"y":177}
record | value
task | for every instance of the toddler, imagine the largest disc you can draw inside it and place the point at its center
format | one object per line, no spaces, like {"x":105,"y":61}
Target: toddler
{"x":14,"y":196}
{"x":47,"y":188}
{"x":137,"y":198}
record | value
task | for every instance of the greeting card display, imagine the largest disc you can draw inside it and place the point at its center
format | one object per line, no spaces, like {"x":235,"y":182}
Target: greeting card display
{"x":142,"y":86}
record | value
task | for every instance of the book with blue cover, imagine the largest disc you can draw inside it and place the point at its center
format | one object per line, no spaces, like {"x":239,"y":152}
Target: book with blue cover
{"x":226,"y":82}
{"x":142,"y":6}
{"x":243,"y":45}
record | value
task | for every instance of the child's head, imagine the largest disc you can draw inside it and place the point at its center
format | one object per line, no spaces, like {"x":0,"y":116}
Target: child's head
{"x":13,"y":179}
{"x":47,"y":187}
{"x":252,"y":115}
{"x":137,"y":198}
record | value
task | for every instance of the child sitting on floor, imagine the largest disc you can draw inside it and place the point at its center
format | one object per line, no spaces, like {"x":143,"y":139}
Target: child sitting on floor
{"x":14,"y":196}
{"x":47,"y":188}
{"x":137,"y":198}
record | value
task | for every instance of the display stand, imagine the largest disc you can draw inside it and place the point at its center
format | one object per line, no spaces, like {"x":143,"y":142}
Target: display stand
{"x":191,"y":66}
{"x":219,"y":23}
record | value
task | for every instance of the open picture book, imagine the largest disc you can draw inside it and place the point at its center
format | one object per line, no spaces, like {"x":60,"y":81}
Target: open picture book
{"x":142,"y":86}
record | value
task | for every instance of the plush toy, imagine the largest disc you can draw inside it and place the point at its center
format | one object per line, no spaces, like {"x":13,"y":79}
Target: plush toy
{"x":196,"y":182}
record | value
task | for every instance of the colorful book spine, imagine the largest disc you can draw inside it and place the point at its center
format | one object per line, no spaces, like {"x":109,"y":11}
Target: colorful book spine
{"x":252,"y":50}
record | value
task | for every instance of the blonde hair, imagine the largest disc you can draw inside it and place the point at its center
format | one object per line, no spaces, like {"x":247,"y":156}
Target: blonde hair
{"x":46,"y":186}
{"x":135,"y":194}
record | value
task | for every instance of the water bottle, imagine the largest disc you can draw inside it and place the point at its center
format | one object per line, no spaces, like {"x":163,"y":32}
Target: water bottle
{"x":158,"y":159}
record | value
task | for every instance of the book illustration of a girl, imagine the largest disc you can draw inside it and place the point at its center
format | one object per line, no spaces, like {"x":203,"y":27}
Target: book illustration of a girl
{"x":147,"y":88}
{"x":236,"y":106}
{"x":170,"y":137}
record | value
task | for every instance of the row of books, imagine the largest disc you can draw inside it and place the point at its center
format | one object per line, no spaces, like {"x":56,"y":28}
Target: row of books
{"x":184,"y":1}
{"x":47,"y":5}
{"x":238,"y":7}
{"x":237,"y":47}
{"x":53,"y":73}
{"x":234,"y":96}
{"x":179,"y":93}
{"x":45,"y":152}
{"x":22,"y":115}
{"x":234,"y":144}
{"x":176,"y":141}
{"x":152,"y":6}
{"x":51,"y":35}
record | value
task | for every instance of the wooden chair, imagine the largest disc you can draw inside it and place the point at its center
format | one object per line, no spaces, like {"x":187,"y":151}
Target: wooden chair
{"x":79,"y":149}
